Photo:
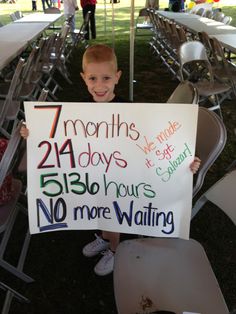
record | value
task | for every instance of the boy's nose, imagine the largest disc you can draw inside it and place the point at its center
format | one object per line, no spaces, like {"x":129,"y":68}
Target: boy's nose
{"x":99,"y":83}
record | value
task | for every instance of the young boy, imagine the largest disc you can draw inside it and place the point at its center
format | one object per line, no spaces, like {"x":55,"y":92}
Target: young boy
{"x":101,"y":75}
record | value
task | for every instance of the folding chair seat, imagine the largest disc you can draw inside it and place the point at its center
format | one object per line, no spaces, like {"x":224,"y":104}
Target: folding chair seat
{"x":166,"y":275}
{"x":185,"y":93}
{"x":171,"y":274}
{"x":195,"y":67}
{"x":10,"y":210}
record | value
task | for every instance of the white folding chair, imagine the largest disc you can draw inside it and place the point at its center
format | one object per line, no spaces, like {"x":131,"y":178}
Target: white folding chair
{"x":222,"y":194}
{"x":195,"y":67}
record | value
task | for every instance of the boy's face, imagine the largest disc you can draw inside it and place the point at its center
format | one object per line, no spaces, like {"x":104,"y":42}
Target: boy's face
{"x":101,"y":79}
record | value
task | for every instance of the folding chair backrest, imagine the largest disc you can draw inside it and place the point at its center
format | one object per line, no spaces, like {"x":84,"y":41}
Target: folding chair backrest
{"x":211,"y":139}
{"x":208,"y":14}
{"x":191,"y":51}
{"x":200,"y":11}
{"x":9,"y":154}
{"x":185,"y":93}
{"x":29,"y":66}
{"x":194,"y":52}
{"x":18,"y":14}
{"x":43,"y":95}
{"x":13,"y":17}
{"x":218,"y":16}
{"x":205,"y":40}
{"x":222,"y":194}
{"x":143,"y":12}
{"x":227,"y":20}
{"x":13,"y":90}
{"x":218,"y":53}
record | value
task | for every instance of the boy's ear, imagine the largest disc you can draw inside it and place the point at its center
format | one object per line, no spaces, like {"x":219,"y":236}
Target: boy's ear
{"x":82,"y":75}
{"x":118,"y":75}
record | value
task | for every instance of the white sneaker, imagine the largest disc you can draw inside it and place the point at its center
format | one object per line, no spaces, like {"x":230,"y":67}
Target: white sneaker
{"x":95,"y":247}
{"x":106,"y":264}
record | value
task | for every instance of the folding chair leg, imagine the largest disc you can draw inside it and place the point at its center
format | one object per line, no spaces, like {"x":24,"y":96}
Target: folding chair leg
{"x":198,"y":205}
{"x":9,"y":296}
{"x":18,"y":270}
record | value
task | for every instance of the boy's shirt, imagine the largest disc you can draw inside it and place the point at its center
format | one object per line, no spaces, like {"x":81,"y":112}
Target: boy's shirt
{"x":115,"y":99}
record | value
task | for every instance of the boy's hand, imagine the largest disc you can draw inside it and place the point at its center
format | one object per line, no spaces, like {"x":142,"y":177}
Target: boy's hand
{"x":24,"y":132}
{"x":194,"y":166}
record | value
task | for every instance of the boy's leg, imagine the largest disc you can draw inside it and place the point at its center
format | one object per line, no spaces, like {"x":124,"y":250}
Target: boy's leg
{"x":106,"y":263}
{"x":85,"y":11}
{"x":96,"y":246}
{"x":113,"y":238}
{"x":92,"y":21}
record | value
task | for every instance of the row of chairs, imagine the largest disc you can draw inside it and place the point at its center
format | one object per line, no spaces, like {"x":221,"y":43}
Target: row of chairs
{"x":166,"y":40}
{"x":188,"y":59}
{"x":16,"y":15}
{"x":32,"y":77}
{"x":214,"y":15}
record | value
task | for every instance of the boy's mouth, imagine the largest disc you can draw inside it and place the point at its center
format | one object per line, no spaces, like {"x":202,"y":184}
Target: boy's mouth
{"x":100,"y":94}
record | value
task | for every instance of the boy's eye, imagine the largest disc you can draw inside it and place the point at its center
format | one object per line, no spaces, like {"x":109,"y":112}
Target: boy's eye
{"x":92,"y":78}
{"x":106,"y":78}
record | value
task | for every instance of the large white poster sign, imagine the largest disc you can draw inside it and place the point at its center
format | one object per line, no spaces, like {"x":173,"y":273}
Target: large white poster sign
{"x":120,"y":167}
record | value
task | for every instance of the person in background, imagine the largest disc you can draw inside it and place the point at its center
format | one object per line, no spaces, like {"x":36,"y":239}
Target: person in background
{"x":47,"y":3}
{"x":34,"y":5}
{"x":89,"y":5}
{"x":175,"y":5}
{"x":70,"y":6}
{"x":150,"y":4}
